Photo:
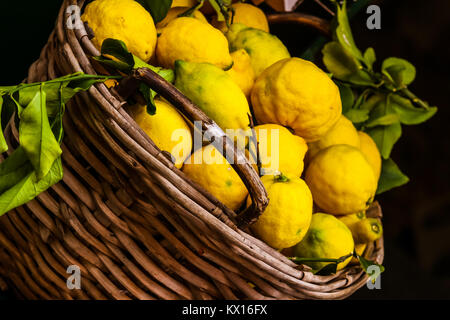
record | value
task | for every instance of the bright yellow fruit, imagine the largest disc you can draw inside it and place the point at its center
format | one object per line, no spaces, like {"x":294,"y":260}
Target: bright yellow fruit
{"x":343,"y":132}
{"x":364,"y":230}
{"x":167,"y":129}
{"x":288,"y":150}
{"x":295,"y":93}
{"x":264,"y":48}
{"x":213,"y":91}
{"x":174,"y":12}
{"x":209,"y":169}
{"x":327,"y":238}
{"x":242,"y":72}
{"x":189,"y":39}
{"x":288,"y":215}
{"x":370,"y":150}
{"x":359,"y":249}
{"x":184,"y":3}
{"x":246,"y":14}
{"x":341,"y":180}
{"x":124,"y":20}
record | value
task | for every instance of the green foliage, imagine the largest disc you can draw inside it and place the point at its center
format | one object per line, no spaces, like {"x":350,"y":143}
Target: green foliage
{"x":125,"y":61}
{"x":36,"y":164}
{"x":158,"y":9}
{"x":377,"y":102}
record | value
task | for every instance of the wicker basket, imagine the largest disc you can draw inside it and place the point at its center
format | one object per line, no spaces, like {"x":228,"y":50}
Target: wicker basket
{"x":133,"y":223}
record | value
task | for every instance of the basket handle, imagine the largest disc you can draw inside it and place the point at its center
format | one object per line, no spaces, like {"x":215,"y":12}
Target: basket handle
{"x":240,"y":164}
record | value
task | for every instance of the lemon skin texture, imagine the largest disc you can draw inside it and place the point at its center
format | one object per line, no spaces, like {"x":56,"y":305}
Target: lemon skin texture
{"x":219,"y":179}
{"x":167,"y":129}
{"x":264,"y":48}
{"x":295,"y":93}
{"x":327,"y":238}
{"x":124,"y":20}
{"x":343,"y":132}
{"x":370,"y":150}
{"x":188,"y":39}
{"x":291,"y":150}
{"x":242,"y":72}
{"x":246,"y":14}
{"x":288,"y":215}
{"x":173,"y":13}
{"x":341,"y":180}
{"x":213,"y":91}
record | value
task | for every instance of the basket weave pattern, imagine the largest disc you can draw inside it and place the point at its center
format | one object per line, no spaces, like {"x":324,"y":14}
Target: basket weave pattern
{"x":133,"y":223}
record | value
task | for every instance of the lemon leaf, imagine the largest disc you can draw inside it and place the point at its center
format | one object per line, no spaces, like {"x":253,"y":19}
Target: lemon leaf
{"x":157,"y":9}
{"x":407,"y":113}
{"x":401,"y":71}
{"x":391,"y":176}
{"x":3,"y":144}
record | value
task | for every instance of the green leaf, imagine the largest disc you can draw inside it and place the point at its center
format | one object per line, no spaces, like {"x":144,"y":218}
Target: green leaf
{"x":343,"y":32}
{"x":123,"y":61}
{"x":29,"y":187}
{"x":391,"y":176}
{"x":407,"y":113}
{"x":357,"y":115}
{"x":399,"y":70}
{"x":385,"y":120}
{"x":328,"y":269}
{"x":369,"y":58}
{"x":14,"y":168}
{"x":347,"y":96}
{"x":149,"y":96}
{"x":158,"y":9}
{"x":36,"y":136}
{"x":385,"y":137}
{"x":3,"y":144}
{"x":365,"y":264}
{"x":344,"y":66}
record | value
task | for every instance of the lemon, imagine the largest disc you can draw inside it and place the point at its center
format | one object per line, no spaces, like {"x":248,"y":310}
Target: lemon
{"x":209,"y":169}
{"x":295,"y":93}
{"x":288,"y":215}
{"x":167,"y":128}
{"x":174,"y":12}
{"x":327,"y":238}
{"x":124,"y":20}
{"x":213,"y":90}
{"x":246,"y":14}
{"x":242,"y":72}
{"x":184,"y":3}
{"x":370,"y":150}
{"x":366,"y":230}
{"x":359,"y":249}
{"x":280,"y":150}
{"x":343,"y":132}
{"x":264,"y":48}
{"x":188,"y":39}
{"x":341,"y":180}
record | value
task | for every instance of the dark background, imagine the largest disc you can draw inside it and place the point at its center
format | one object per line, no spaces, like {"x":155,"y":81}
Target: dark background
{"x":416,"y":216}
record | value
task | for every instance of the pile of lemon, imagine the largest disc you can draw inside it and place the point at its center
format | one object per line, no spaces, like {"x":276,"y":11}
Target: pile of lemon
{"x":327,"y":171}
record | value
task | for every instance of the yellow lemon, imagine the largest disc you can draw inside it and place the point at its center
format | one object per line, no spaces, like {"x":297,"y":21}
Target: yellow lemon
{"x":341,"y":180}
{"x":246,"y":14}
{"x":209,"y":169}
{"x":124,"y":20}
{"x":242,"y":72}
{"x":370,"y":150}
{"x":167,"y":128}
{"x":264,"y":48}
{"x":213,"y":91}
{"x":184,"y":3}
{"x":359,"y":249}
{"x":279,"y":150}
{"x":295,"y":93}
{"x":364,"y":230}
{"x":189,"y":39}
{"x":327,"y":238}
{"x":288,"y":215}
{"x":343,"y":132}
{"x":174,"y":12}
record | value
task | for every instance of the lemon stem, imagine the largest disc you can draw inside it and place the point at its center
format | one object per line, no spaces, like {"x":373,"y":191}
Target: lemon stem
{"x":281,"y":178}
{"x":339,"y":260}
